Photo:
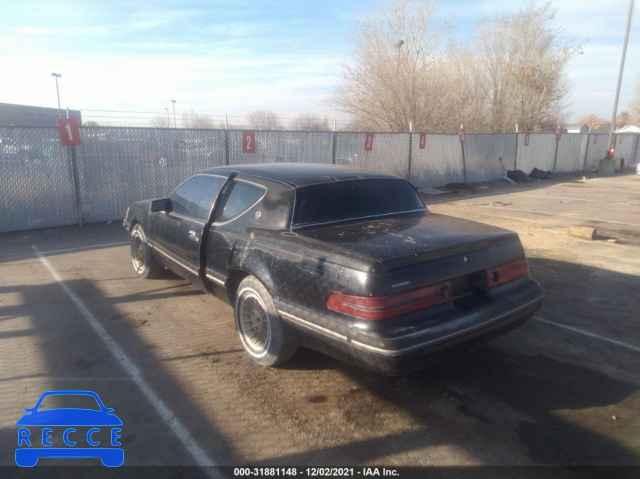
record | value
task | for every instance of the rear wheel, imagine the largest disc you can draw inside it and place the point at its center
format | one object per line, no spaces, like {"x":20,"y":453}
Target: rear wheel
{"x":263,"y":334}
{"x":142,"y":258}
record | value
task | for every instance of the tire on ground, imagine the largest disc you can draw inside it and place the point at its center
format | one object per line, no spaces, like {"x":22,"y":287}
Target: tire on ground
{"x":265,"y":337}
{"x":144,"y":262}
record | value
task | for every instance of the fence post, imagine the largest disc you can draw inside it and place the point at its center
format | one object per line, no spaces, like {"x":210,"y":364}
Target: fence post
{"x":333,"y":146}
{"x":464,"y":161}
{"x":410,"y":154}
{"x":555,"y":156}
{"x":515,"y":160}
{"x":586,"y":152}
{"x":76,"y":184}
{"x":226,"y":147}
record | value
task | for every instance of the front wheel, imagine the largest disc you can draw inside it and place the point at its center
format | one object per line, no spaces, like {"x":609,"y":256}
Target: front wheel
{"x":263,"y":334}
{"x":144,"y":262}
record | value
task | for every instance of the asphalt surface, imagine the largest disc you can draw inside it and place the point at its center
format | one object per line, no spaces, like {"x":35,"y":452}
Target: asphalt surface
{"x":561,"y":390}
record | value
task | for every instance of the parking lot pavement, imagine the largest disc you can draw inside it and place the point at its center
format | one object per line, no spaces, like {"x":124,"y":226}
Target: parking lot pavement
{"x":562,"y":389}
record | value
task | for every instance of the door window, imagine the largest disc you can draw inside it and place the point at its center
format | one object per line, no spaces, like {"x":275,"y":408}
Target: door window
{"x":195,"y":196}
{"x":241,"y":197}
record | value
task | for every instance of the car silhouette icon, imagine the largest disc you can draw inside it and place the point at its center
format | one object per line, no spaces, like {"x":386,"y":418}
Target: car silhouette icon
{"x":73,"y":421}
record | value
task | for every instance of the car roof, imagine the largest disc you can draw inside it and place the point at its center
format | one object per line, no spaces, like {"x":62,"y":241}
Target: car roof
{"x":302,"y":174}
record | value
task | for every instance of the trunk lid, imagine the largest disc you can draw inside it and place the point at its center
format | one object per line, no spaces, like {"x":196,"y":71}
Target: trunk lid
{"x":421,"y":250}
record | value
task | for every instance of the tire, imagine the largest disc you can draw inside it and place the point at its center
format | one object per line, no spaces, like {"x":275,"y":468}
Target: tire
{"x":144,"y":262}
{"x":264,"y":336}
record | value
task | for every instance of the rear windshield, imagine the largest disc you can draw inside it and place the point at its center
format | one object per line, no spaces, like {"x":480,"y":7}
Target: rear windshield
{"x":343,"y":200}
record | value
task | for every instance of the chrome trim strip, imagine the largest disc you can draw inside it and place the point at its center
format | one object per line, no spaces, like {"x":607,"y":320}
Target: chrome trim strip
{"x":215,"y":280}
{"x":398,"y":352}
{"x":159,"y":249}
{"x":313,"y":326}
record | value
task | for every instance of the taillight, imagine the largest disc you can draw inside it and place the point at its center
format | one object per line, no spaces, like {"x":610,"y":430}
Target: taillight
{"x":378,"y":308}
{"x":506,"y":273}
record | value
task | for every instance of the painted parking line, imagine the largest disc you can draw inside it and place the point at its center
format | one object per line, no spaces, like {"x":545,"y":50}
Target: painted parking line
{"x":558,"y":214}
{"x":191,"y":446}
{"x":589,"y":334}
{"x":572,"y":199}
{"x":596,"y":188}
{"x":83,"y":248}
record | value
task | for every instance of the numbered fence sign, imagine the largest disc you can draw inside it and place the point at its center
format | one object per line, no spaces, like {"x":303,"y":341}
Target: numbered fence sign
{"x":526,"y":139}
{"x":423,"y":140}
{"x":595,"y":139}
{"x":558,"y":134}
{"x":368,"y":142}
{"x":249,"y":142}
{"x":463,"y":135}
{"x":69,"y":131}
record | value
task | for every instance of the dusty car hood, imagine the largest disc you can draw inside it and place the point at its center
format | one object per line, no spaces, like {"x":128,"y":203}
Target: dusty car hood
{"x":398,"y":241}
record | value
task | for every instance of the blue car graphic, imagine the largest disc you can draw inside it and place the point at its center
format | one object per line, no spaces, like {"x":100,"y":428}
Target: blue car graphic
{"x":27,"y":453}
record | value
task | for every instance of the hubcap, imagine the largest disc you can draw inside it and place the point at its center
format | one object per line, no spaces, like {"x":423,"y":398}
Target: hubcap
{"x":137,"y":253}
{"x":254,"y":324}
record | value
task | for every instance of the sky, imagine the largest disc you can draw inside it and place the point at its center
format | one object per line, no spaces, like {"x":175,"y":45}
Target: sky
{"x":219,"y":57}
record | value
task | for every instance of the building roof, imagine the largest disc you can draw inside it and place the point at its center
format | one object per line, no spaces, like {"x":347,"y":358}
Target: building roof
{"x":628,"y":129}
{"x":25,"y":115}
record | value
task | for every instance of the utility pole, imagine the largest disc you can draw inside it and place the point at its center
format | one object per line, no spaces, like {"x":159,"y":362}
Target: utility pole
{"x":624,"y":54}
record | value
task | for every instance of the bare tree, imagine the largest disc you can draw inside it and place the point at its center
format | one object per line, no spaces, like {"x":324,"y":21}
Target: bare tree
{"x":192,"y":120}
{"x":310,"y":122}
{"x":634,"y":106}
{"x":596,"y":123}
{"x":623,"y":119}
{"x":464,"y":96}
{"x":393,"y":78}
{"x":264,"y":120}
{"x":160,"y":121}
{"x":522,"y":68}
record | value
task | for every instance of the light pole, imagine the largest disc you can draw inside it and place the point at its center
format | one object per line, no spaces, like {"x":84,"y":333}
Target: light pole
{"x":58,"y":75}
{"x":174,"y":113}
{"x":168,"y":120}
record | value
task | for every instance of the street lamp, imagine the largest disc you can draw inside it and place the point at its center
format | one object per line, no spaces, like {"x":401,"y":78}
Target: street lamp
{"x":168,"y":120}
{"x":174,"y":113}
{"x":58,"y":75}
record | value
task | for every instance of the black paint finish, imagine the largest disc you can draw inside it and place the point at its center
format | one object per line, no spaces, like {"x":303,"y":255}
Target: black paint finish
{"x":373,"y":256}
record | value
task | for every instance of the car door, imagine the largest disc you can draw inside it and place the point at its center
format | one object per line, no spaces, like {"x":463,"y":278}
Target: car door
{"x":179,"y":231}
{"x":228,"y":233}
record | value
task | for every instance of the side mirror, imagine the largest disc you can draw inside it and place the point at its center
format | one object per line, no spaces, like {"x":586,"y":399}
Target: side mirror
{"x":163,"y":204}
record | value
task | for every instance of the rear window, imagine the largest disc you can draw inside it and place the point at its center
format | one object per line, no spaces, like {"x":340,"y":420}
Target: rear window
{"x":354,"y":199}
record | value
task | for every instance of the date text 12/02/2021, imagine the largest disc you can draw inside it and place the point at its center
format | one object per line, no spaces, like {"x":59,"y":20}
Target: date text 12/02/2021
{"x":315,"y":471}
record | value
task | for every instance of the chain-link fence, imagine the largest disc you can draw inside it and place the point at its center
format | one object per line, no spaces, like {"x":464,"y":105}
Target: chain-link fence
{"x":436,"y":160}
{"x":44,"y":184}
{"x":385,"y":152}
{"x":280,"y":146}
{"x":488,"y":156}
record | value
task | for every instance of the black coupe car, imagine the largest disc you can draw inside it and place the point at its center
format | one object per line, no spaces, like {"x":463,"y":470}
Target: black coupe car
{"x":346,"y":261}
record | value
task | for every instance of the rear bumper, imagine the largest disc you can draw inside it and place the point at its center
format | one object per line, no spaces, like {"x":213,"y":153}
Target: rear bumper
{"x":395,"y":349}
{"x":402,"y":353}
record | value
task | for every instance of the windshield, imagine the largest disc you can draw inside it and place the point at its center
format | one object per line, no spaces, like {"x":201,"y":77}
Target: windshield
{"x":344,"y":200}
